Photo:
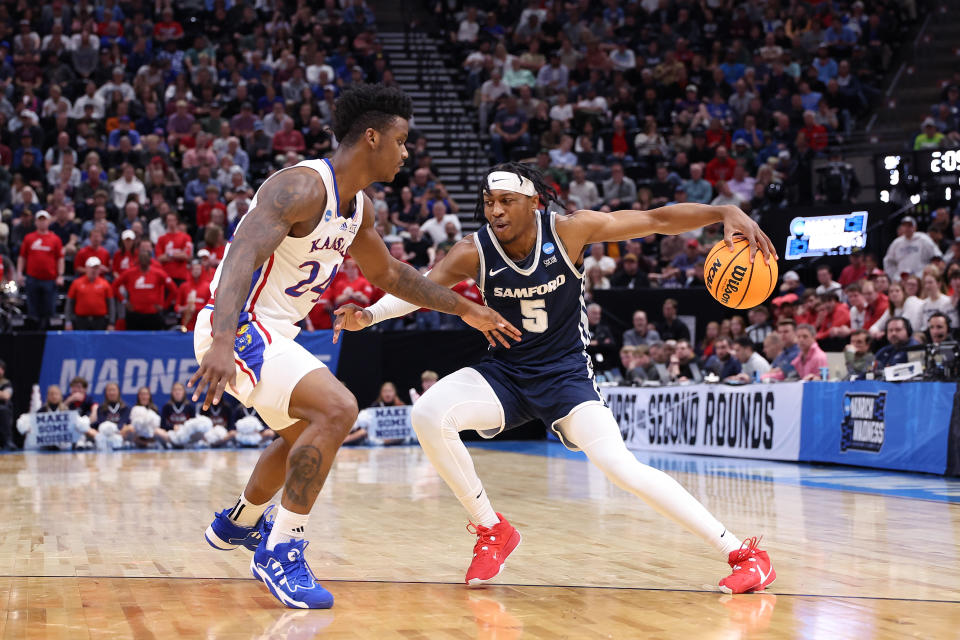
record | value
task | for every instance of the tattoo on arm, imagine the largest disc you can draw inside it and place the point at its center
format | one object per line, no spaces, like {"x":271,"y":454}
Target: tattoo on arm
{"x":304,"y":477}
{"x":291,"y":196}
{"x":407,"y":284}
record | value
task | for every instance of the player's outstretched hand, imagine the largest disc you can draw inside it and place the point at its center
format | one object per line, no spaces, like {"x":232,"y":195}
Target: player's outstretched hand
{"x":351,"y":318}
{"x":736,"y":222}
{"x":491,"y":324}
{"x":216,"y":371}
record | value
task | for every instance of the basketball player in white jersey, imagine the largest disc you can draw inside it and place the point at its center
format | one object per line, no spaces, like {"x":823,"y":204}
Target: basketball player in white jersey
{"x":286,"y":251}
{"x":529,"y":267}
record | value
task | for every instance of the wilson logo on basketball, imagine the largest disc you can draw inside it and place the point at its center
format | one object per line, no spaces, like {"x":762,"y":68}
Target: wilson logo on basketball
{"x":733,"y":283}
{"x":713,"y":272}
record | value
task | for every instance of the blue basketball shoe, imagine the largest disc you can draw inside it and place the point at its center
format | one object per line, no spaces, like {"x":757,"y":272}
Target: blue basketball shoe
{"x":226,"y":535}
{"x":286,"y":573}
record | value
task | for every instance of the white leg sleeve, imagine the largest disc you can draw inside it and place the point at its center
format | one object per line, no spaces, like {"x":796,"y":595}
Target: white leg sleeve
{"x":462,"y":400}
{"x":595,"y":431}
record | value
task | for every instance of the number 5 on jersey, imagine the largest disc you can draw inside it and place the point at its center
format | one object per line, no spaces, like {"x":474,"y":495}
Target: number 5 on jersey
{"x":534,"y":314}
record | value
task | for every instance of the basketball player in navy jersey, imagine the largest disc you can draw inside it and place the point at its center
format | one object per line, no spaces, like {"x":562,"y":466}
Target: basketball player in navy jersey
{"x":528,"y":264}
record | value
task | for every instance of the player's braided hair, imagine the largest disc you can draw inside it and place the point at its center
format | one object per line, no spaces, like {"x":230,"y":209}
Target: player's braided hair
{"x":546,"y":191}
{"x":368,"y":106}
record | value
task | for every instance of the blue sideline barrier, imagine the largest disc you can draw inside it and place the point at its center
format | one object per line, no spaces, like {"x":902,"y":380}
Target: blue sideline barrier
{"x":135,"y":359}
{"x":898,"y":426}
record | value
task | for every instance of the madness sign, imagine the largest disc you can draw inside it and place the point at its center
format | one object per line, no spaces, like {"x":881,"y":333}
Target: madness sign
{"x":864,"y":421}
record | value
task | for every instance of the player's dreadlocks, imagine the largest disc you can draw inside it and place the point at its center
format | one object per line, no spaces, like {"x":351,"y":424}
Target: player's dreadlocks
{"x":546,"y":191}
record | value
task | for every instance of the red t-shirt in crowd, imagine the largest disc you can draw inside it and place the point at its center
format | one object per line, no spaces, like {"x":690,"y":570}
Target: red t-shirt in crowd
{"x":469,"y":290}
{"x":123,"y":260}
{"x":816,"y":136}
{"x":146,"y":292}
{"x":359,"y":285}
{"x":718,"y":169}
{"x":876,"y":310}
{"x":851,"y":274}
{"x":716,"y":137}
{"x":90,"y":297}
{"x":320,"y":315}
{"x":618,"y":142}
{"x":41,"y":251}
{"x":204,"y":209}
{"x":168,"y":30}
{"x":218,"y":252}
{"x":288,"y":141}
{"x":201,"y":290}
{"x":80,"y":260}
{"x":805,"y":318}
{"x":167,"y":243}
{"x":839,"y":318}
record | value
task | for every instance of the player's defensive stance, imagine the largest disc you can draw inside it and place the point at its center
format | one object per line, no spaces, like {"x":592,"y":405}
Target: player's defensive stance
{"x":528,"y":265}
{"x":285,"y":253}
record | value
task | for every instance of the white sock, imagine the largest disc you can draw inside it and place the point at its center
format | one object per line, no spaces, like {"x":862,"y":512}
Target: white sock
{"x":728,"y":543}
{"x":595,"y":431}
{"x":245,"y":513}
{"x":478,"y":506}
{"x":287,"y":526}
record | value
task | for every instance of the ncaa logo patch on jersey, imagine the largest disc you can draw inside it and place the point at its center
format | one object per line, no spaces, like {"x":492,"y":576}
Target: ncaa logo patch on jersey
{"x":328,"y":216}
{"x":548,"y":248}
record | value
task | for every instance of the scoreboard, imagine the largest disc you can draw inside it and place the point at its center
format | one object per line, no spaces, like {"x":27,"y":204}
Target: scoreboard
{"x":933,"y":173}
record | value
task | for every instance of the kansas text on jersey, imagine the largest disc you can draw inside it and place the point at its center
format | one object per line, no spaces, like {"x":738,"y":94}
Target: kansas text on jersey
{"x":286,"y":287}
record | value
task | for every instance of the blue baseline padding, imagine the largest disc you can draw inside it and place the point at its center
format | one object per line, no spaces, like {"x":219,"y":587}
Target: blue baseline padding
{"x":140,"y":358}
{"x":915,"y":418}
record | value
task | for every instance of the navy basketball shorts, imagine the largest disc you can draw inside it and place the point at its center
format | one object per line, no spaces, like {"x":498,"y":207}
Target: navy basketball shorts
{"x":548,"y":391}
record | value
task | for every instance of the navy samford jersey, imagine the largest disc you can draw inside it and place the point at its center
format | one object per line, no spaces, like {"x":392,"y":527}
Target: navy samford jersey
{"x":542,"y":296}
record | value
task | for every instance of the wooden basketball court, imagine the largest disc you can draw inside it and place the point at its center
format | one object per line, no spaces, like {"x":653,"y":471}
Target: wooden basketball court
{"x":111,"y":546}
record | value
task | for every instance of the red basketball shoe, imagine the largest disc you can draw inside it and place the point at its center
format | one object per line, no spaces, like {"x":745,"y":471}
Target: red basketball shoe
{"x":493,"y":546}
{"x":752,"y":570}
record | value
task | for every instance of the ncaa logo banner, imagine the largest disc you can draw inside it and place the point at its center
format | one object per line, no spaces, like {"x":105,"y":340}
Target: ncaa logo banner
{"x":758,"y":421}
{"x":903,"y":426}
{"x":864,"y":423}
{"x":135,"y":359}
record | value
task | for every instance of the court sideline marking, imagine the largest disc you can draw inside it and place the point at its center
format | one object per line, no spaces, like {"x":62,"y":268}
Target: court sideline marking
{"x":516,"y":585}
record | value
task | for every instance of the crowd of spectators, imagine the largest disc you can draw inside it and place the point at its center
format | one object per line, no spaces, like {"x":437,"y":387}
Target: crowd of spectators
{"x":646,"y":103}
{"x":874,"y":312}
{"x":941,"y":128}
{"x":110,"y":423}
{"x":133,"y":136}
{"x":228,"y":422}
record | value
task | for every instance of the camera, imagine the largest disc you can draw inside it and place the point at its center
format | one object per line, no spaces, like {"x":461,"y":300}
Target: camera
{"x":942,"y":361}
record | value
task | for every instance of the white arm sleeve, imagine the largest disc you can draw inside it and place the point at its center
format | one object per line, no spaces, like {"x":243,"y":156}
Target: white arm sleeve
{"x":390,"y":306}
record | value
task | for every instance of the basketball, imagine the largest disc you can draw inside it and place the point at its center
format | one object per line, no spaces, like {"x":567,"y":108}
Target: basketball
{"x":733,"y":280}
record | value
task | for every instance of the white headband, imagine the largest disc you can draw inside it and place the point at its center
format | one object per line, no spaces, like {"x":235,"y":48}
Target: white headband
{"x":507,"y":181}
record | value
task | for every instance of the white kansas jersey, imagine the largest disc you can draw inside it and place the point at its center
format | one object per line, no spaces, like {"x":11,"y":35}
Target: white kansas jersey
{"x":288,"y":285}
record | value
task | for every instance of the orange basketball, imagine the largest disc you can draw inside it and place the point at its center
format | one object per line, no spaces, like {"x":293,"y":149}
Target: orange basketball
{"x":733,"y":280}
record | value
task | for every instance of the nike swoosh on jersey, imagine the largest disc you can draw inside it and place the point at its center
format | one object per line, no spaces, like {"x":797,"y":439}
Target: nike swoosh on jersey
{"x":493,"y":273}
